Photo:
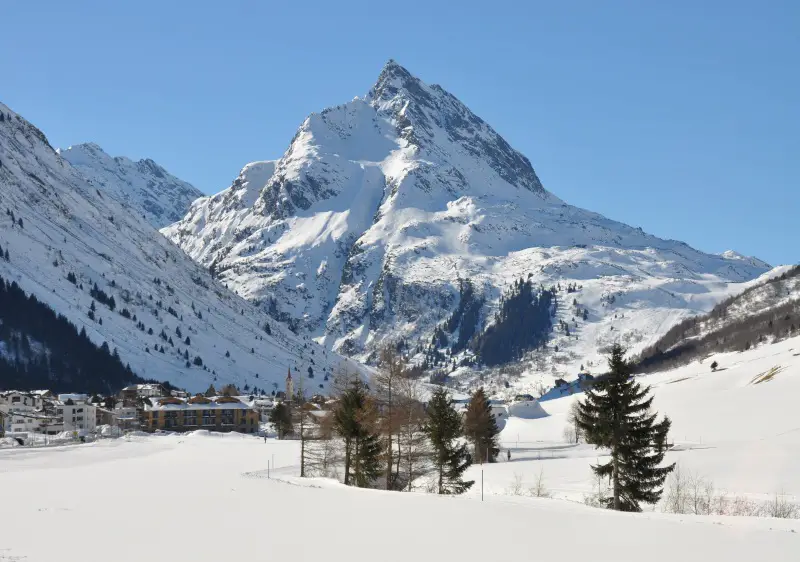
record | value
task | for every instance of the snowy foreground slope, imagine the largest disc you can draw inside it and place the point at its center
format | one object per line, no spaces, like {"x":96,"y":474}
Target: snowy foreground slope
{"x":745,"y":437}
{"x":64,"y":225}
{"x":363,"y":230}
{"x":144,"y":187}
{"x":741,"y":434}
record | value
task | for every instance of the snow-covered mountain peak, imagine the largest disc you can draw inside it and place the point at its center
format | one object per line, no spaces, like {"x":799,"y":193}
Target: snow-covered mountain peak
{"x":382,"y":207}
{"x":433,"y":119}
{"x":750,"y":260}
{"x":144,"y":186}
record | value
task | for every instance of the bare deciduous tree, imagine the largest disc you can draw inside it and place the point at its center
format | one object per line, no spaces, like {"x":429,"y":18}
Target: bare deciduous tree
{"x":390,"y":370}
{"x":572,"y":431}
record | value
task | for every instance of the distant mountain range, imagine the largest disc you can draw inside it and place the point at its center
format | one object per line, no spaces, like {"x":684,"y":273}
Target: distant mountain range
{"x":768,"y":310}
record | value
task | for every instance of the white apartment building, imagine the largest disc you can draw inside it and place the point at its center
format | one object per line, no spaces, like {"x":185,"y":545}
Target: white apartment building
{"x":75,"y":413}
{"x":22,"y":412}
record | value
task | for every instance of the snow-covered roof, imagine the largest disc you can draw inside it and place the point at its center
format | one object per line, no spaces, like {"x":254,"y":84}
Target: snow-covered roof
{"x":80,"y":403}
{"x":147,"y":386}
{"x":73,"y":397}
{"x":216,"y":403}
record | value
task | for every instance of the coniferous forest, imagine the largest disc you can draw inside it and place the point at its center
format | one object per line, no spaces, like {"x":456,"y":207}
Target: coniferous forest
{"x":523,"y":322}
{"x":40,"y":349}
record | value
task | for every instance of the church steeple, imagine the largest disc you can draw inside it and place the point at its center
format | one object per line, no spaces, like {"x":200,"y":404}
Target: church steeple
{"x":289,"y":384}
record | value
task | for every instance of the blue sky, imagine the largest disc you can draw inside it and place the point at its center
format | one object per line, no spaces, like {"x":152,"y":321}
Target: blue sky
{"x":681,"y":117}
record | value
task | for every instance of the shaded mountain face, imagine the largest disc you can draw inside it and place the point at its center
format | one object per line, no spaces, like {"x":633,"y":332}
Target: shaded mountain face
{"x":85,"y":255}
{"x":365,"y":230}
{"x":144,"y":187}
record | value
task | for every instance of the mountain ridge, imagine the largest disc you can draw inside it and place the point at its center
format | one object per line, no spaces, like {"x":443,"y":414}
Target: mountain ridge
{"x":143,"y":185}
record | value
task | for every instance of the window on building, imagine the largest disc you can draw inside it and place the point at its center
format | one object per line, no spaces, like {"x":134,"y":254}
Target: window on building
{"x":15,"y":399}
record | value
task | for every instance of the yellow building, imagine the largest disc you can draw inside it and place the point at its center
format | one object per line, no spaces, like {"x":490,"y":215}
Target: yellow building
{"x":220,"y":413}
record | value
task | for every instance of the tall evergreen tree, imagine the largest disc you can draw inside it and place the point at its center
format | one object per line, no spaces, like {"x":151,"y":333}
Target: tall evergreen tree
{"x":616,"y":415}
{"x":480,"y":427}
{"x":450,"y":458}
{"x":281,"y":418}
{"x":354,"y":420}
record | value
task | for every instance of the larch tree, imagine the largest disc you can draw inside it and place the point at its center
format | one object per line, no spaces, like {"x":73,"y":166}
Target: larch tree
{"x":390,"y":370}
{"x":480,"y":427}
{"x":616,"y":415}
{"x":572,"y":431}
{"x":299,"y":417}
{"x":450,"y":457}
{"x":413,"y":451}
{"x":322,"y":453}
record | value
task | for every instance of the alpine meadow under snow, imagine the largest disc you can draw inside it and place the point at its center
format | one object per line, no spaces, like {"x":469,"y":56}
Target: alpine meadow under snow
{"x":368,"y":228}
{"x":71,"y":244}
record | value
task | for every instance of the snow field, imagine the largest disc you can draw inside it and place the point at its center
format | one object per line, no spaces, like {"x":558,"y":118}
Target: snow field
{"x":743,"y":437}
{"x":206,"y":496}
{"x":189,"y":497}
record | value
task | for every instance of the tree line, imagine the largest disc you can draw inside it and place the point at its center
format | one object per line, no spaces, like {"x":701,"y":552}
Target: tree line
{"x":393,"y":435}
{"x":42,"y":349}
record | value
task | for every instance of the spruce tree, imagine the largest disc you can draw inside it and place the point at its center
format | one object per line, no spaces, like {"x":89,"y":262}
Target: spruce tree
{"x":367,"y":465}
{"x":480,"y":428}
{"x":281,"y":418}
{"x":450,"y":458}
{"x":616,"y":415}
{"x":354,"y":420}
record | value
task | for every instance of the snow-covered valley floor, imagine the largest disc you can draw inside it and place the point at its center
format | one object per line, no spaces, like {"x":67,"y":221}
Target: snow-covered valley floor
{"x":206,"y":497}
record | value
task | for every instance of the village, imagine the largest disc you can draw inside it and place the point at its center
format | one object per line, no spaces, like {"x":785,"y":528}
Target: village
{"x":39,"y":417}
{"x":31,"y":417}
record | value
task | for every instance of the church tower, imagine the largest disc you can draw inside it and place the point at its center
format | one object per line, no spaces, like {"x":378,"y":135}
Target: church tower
{"x":289,"y":385}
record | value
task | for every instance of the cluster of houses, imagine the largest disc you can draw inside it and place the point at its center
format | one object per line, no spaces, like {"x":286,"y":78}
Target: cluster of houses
{"x":41,"y":411}
{"x":143,"y":407}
